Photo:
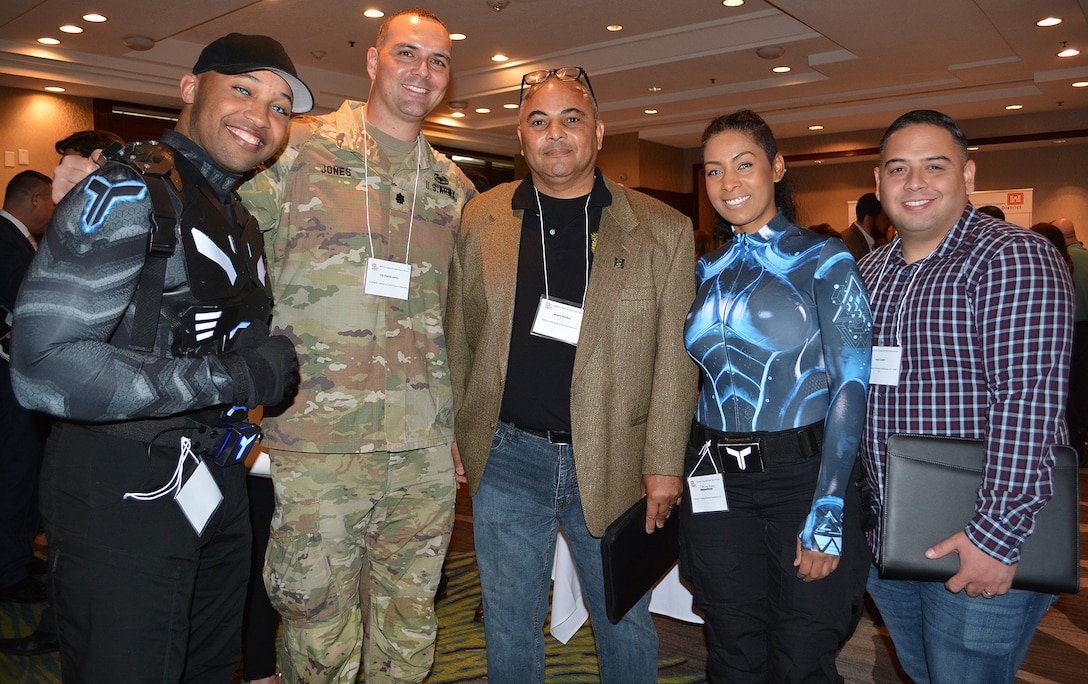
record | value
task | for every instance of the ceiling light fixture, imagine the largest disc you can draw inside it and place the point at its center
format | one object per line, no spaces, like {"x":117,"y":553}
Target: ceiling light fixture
{"x":140,"y":43}
{"x":614,"y":28}
{"x":1013,"y":108}
{"x":770,"y":51}
{"x":94,"y":18}
{"x":510,"y":105}
{"x":373,"y":14}
{"x":649,"y":111}
{"x":458,"y":36}
{"x":1048,"y":22}
{"x":815,"y":127}
{"x":54,"y":89}
{"x":483,"y":110}
{"x":654,"y":89}
{"x":70,"y":28}
{"x":1068,"y":51}
{"x":500,"y":58}
{"x":782,"y":70}
{"x":1080,"y":84}
{"x":49,"y":41}
{"x":732,"y":3}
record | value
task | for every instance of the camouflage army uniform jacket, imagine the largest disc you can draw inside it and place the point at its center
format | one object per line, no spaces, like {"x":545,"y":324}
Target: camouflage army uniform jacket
{"x":375,"y":375}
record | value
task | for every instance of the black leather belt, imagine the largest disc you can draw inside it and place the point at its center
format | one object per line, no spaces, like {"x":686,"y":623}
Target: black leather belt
{"x":757,"y":446}
{"x":553,"y":436}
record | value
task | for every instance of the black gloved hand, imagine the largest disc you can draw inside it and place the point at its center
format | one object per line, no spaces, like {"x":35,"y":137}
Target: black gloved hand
{"x":264,"y":368}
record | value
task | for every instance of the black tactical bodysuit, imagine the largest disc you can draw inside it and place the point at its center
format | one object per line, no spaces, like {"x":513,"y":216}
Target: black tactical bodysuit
{"x":139,"y":595}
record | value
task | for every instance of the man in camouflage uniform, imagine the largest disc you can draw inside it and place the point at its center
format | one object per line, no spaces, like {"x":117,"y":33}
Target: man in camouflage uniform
{"x":361,"y":461}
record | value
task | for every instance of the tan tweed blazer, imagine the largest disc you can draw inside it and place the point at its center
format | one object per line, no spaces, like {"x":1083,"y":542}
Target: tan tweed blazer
{"x":633,"y":390}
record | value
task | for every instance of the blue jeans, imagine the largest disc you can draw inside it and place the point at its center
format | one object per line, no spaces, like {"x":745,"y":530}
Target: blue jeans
{"x":943,"y":637}
{"x":529,"y":489}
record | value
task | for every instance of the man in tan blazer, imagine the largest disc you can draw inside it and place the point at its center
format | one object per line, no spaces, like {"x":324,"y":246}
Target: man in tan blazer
{"x":573,"y":391}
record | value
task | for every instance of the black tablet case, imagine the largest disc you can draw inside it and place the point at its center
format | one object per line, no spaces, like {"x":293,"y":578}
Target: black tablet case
{"x":633,"y":560}
{"x":930,"y":488}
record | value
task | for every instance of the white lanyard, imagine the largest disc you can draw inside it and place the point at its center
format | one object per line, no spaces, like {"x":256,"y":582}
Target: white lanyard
{"x":544,"y":249}
{"x":415,"y":188}
{"x":887,"y":360}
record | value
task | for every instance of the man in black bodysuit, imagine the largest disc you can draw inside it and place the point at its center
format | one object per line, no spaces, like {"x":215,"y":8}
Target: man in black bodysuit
{"x":143,"y":326}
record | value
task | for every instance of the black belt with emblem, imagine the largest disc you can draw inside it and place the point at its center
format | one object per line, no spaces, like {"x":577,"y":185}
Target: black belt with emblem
{"x":746,"y":452}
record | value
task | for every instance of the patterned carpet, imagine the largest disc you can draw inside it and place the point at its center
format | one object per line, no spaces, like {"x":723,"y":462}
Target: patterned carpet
{"x":459,"y":654}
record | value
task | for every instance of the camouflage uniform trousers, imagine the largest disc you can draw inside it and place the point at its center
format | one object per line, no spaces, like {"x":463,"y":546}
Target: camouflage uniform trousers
{"x":359,"y":538}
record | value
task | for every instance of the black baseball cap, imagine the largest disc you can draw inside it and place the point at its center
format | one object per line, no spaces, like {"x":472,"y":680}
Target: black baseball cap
{"x":238,"y":53}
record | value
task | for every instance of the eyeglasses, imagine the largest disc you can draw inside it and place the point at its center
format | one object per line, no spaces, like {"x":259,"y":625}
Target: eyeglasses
{"x":563,"y":74}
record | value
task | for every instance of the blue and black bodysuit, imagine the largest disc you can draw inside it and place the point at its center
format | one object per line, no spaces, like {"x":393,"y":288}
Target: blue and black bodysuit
{"x":782,"y":332}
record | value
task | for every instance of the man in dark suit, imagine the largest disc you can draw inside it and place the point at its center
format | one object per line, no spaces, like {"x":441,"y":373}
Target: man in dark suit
{"x":871,"y":228}
{"x":572,"y":388}
{"x":27,"y":209}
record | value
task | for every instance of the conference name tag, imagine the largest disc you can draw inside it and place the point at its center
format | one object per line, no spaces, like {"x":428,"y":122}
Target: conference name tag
{"x":557,"y":320}
{"x":707,"y":493}
{"x":387,"y":278}
{"x":885,"y":368}
{"x":199,"y":498}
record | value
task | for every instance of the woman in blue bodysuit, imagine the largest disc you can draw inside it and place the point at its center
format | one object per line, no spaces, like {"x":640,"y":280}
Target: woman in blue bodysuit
{"x":770,"y":533}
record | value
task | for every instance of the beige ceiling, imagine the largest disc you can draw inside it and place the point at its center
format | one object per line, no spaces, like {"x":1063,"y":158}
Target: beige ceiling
{"x":856,"y":64}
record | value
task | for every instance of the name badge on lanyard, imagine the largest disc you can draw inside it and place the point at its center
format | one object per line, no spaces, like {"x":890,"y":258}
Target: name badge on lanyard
{"x":557,"y":320}
{"x":387,"y":278}
{"x":885,"y":368}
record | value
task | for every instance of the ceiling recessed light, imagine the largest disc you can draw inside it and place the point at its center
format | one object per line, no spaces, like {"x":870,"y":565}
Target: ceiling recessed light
{"x":1049,"y":21}
{"x":49,"y":41}
{"x":457,"y":115}
{"x":649,"y":111}
{"x":972,"y":148}
{"x":1069,"y":52}
{"x":732,"y":3}
{"x":94,"y":18}
{"x":614,"y":27}
{"x":499,"y":58}
{"x":1059,"y":141}
{"x":817,"y":161}
{"x":1081,"y":84}
{"x":483,"y":110}
{"x":458,"y":36}
{"x":1014,"y":107}
{"x":374,"y":14}
{"x":54,"y":89}
{"x":69,"y":28}
{"x":781,"y":70}
{"x":510,"y":105}
{"x":654,"y":89}
{"x":815,"y":127}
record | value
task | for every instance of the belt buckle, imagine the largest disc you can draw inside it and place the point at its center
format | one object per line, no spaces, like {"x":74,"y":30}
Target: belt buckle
{"x":740,"y":455}
{"x":556,"y":437}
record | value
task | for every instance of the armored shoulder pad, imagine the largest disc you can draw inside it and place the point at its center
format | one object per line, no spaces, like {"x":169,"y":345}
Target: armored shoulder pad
{"x":148,"y":158}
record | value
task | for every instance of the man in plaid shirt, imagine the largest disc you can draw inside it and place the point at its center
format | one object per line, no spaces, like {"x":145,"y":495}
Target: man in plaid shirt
{"x":973,"y":319}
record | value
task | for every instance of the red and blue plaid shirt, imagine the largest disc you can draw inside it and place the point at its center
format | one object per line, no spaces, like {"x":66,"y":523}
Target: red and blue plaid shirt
{"x":985,"y":327}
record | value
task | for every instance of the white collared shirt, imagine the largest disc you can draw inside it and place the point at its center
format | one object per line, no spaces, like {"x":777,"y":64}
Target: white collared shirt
{"x":22,"y":228}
